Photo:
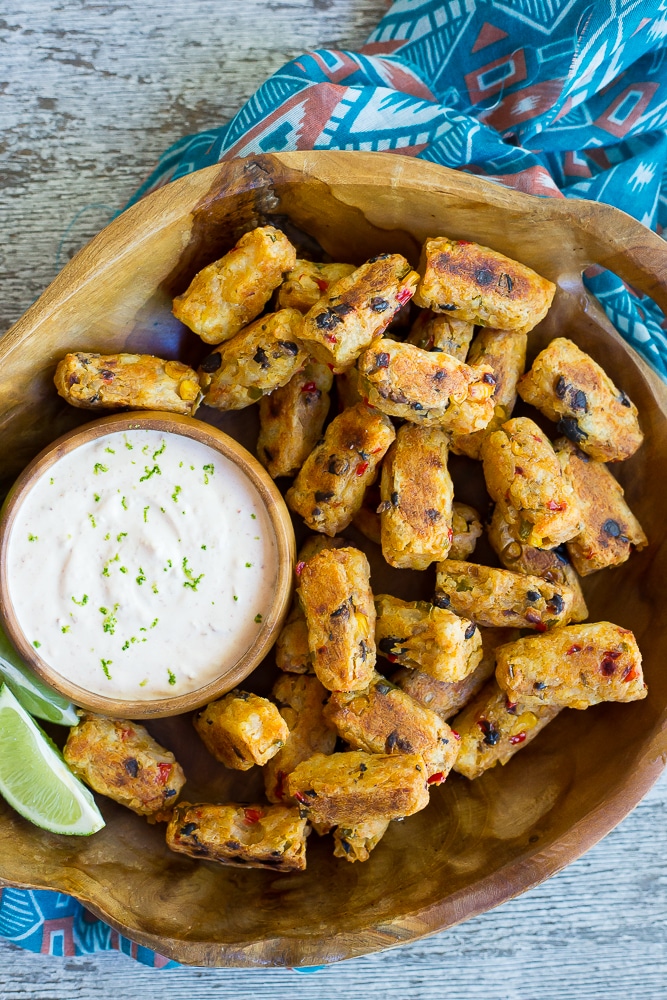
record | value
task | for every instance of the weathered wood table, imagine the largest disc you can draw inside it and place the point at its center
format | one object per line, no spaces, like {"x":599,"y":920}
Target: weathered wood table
{"x":91,"y":92}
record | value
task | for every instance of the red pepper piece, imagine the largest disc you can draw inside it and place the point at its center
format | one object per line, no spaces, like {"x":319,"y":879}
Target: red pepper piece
{"x":361,"y":468}
{"x":464,"y":243}
{"x":519,"y":738}
{"x":392,"y":657}
{"x":404,"y":296}
{"x":457,"y":736}
{"x":436,"y":779}
{"x":251,"y":816}
{"x":533,"y":617}
{"x":301,"y":798}
{"x":164,"y":772}
{"x":553,"y":505}
{"x":330,"y":337}
{"x":573,"y":649}
{"x":450,"y":535}
{"x":630,"y":674}
{"x":298,"y":569}
{"x":309,"y":387}
{"x":126,"y":734}
{"x":321,"y":284}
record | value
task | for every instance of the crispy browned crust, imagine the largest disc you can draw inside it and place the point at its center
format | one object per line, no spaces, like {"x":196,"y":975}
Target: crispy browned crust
{"x":384,"y":719}
{"x":575,"y":667}
{"x":335,"y":592}
{"x":141,"y":381}
{"x":291,"y":420}
{"x":551,"y":564}
{"x":355,"y":843}
{"x":523,"y":475}
{"x":329,"y":489}
{"x":480,"y":285}
{"x":307,"y":283}
{"x":346,"y":789}
{"x":291,"y":649}
{"x":466,"y":528}
{"x":121,"y":760}
{"x":493,"y":728}
{"x":610,"y":529}
{"x":416,"y":493}
{"x":421,"y":636}
{"x":263,"y":357}
{"x":574,"y":391}
{"x":426,"y":387}
{"x":433,"y":332}
{"x":355,"y":310}
{"x":302,"y":700}
{"x":241,"y":836}
{"x":241,"y":729}
{"x":448,"y":697}
{"x":497,"y":597}
{"x":225,"y":296}
{"x":505,"y":353}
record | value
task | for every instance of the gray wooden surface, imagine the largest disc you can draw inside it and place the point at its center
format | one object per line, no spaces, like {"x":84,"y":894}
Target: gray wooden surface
{"x":91,"y":91}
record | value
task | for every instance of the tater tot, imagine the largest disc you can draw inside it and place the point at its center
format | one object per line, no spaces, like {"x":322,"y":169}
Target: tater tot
{"x":480,"y":285}
{"x":329,"y":489}
{"x":574,"y":391}
{"x":225,"y":296}
{"x":383,"y":719}
{"x":497,"y":597}
{"x":291,"y":420}
{"x":427,"y":387}
{"x":346,"y":789}
{"x":355,"y":843}
{"x":505,"y":353}
{"x":241,"y":836}
{"x":335,"y":592}
{"x":448,"y":697}
{"x":493,"y":728}
{"x":306,"y":284}
{"x":610,"y":529}
{"x":416,"y":492}
{"x":523,"y":475}
{"x":433,"y":332}
{"x":355,"y":310}
{"x":425,"y":637}
{"x":466,"y":528}
{"x":258,"y":360}
{"x":552,"y":565}
{"x":110,"y":381}
{"x":121,"y":760}
{"x":302,"y":700}
{"x":241,"y":729}
{"x":573,"y":667}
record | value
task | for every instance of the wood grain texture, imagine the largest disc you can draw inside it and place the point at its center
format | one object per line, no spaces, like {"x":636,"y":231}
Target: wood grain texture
{"x":92,"y":92}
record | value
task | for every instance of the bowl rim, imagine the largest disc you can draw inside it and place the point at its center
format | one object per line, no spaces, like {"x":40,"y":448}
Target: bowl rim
{"x":283,"y":533}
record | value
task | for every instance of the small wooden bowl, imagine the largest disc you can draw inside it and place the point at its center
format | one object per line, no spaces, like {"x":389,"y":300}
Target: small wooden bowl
{"x":279,"y":518}
{"x":478,"y":843}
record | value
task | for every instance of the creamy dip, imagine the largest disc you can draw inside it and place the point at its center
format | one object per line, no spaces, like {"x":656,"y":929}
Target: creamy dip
{"x":141,"y":564}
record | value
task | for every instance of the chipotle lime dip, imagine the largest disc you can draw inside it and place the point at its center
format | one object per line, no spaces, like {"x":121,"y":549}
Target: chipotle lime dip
{"x":141,"y":565}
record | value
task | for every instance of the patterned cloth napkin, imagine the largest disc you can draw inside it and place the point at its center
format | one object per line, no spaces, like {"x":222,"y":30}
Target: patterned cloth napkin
{"x":560,"y":98}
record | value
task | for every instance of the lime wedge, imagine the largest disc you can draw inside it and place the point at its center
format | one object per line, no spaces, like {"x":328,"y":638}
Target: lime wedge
{"x":35,"y":696}
{"x":35,"y":779}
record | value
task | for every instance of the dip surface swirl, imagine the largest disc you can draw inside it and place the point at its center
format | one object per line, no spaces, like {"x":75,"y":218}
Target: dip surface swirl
{"x":141,"y":564}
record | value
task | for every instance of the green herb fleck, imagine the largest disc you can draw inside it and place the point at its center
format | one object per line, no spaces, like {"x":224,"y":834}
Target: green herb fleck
{"x":208,"y":471}
{"x":155,"y":471}
{"x":110,"y":451}
{"x":107,"y":537}
{"x":33,"y":538}
{"x":92,"y":520}
{"x":160,"y":450}
{"x":126,"y":645}
{"x":154,"y":588}
{"x":36,"y":644}
{"x":99,"y":468}
{"x":154,"y":622}
{"x":105,"y":667}
{"x":235,"y":597}
{"x":254,"y":517}
{"x":203,"y":548}
{"x":123,"y":503}
{"x":122,"y":535}
{"x":123,"y":569}
{"x":143,"y":683}
{"x":142,"y":577}
{"x":248,"y":565}
{"x":146,"y":509}
{"x":172,"y":677}
{"x":130,"y":447}
{"x":51,"y":481}
{"x":162,"y":510}
{"x":258,"y":618}
{"x":97,"y":498}
{"x":82,"y":602}
{"x":110,"y":621}
{"x":144,"y":450}
{"x":174,"y":495}
{"x":180,"y":465}
{"x":192,"y":581}
{"x":65,"y":629}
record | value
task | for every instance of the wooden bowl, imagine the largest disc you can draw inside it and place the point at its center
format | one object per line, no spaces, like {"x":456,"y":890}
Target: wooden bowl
{"x":233,"y":673}
{"x":480,"y":842}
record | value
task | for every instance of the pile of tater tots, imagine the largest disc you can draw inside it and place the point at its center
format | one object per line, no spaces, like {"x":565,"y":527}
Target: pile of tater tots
{"x":469,"y":678}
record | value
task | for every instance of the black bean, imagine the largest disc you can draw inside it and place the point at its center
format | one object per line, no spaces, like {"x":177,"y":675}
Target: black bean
{"x":188,"y":830}
{"x":383,"y":688}
{"x":394,"y":499}
{"x":571,"y":429}
{"x":289,"y":346}
{"x":342,"y":612}
{"x":362,"y":768}
{"x":556,"y":604}
{"x":337,"y":466}
{"x":327,"y":320}
{"x":346,"y":847}
{"x":416,"y":406}
{"x":212,"y":362}
{"x":107,"y":375}
{"x":382,"y":360}
{"x":380,"y":256}
{"x":170,"y":792}
{"x":539,"y":685}
{"x":441,"y":601}
{"x":95,"y":399}
{"x":561,"y":387}
{"x":261,"y":358}
{"x":387,"y":645}
{"x":322,"y":496}
{"x":579,"y":400}
{"x":379,"y":305}
{"x":484,"y":276}
{"x":234,"y":845}
{"x":491,"y":734}
{"x":132,"y":767}
{"x":363,"y":650}
{"x":433,"y":514}
{"x":611,"y":528}
{"x":316,"y":512}
{"x":470,"y":631}
{"x":440,"y":374}
{"x":504,"y":281}
{"x":398,"y":742}
{"x":533,"y":595}
{"x":489,"y":379}
{"x":446,"y":307}
{"x":624,"y":400}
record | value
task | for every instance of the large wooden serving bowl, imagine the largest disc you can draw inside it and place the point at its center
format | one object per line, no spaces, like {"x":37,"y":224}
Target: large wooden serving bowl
{"x":478,"y":843}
